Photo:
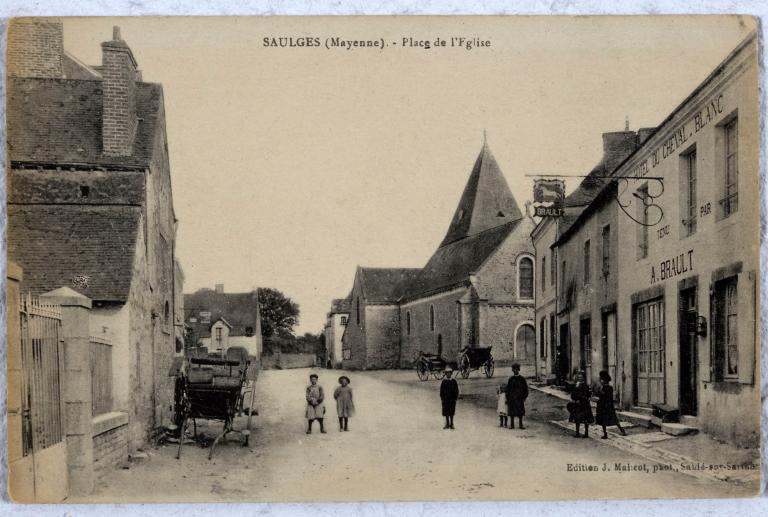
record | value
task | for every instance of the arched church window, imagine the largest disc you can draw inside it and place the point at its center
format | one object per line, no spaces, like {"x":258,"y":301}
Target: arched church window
{"x":525,"y":278}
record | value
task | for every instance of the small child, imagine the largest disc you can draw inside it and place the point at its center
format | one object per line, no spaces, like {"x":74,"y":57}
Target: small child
{"x":501,"y":405}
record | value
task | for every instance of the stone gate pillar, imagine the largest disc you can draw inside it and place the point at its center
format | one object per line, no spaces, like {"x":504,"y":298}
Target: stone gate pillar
{"x":76,"y":385}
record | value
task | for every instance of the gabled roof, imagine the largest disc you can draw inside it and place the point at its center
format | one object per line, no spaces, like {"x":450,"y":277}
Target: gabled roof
{"x":88,"y":248}
{"x":240,"y":310}
{"x":385,"y":285}
{"x":59,"y":121}
{"x":487,"y":201}
{"x":225,"y":322}
{"x":452,"y":264}
{"x":341,"y":305}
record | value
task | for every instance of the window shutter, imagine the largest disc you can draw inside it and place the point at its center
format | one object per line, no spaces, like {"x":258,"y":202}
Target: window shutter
{"x":708,"y":369}
{"x":747,"y":336}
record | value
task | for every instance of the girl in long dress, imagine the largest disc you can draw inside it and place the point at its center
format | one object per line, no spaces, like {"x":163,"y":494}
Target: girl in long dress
{"x":580,"y":409}
{"x":501,"y":404}
{"x":315,"y":406}
{"x":606,"y":412}
{"x":345,"y":407}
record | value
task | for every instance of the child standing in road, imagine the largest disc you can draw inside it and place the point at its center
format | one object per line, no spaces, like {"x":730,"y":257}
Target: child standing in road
{"x":517,"y":392}
{"x":501,"y":405}
{"x":606,"y":411}
{"x":345,"y":407}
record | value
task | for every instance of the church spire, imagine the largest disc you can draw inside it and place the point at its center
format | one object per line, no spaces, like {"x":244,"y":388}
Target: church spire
{"x":487,"y":201}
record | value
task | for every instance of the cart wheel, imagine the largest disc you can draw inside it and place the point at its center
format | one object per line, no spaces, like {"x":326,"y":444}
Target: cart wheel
{"x":489,"y":367}
{"x":464,"y":366}
{"x":421,"y":371}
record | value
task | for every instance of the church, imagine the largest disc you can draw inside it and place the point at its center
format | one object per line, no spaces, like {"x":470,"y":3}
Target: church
{"x":476,"y":290}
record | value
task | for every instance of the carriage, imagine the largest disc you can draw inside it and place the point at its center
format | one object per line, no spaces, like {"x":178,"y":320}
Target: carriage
{"x":430,"y":365}
{"x":214,"y":388}
{"x":475,"y":358}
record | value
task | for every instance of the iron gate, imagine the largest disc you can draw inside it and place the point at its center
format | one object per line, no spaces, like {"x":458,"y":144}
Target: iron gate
{"x":41,"y":355}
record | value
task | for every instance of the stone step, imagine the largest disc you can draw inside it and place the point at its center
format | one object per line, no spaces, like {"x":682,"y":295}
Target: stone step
{"x":639,"y":419}
{"x":642,"y":410}
{"x":677,"y":429}
{"x":689,"y":420}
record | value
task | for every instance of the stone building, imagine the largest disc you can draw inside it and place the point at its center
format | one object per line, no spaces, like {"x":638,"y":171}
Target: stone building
{"x":475,"y":290}
{"x":218,"y":320}
{"x":576,"y":292}
{"x":335,"y":324}
{"x":90,"y":206}
{"x":684,"y":261}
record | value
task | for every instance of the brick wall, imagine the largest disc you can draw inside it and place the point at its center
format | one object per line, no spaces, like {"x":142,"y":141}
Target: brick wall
{"x":119,"y":84}
{"x":35,"y":48}
{"x":497,"y":278}
{"x":499,"y":331}
{"x":65,"y":186}
{"x":110,"y":441}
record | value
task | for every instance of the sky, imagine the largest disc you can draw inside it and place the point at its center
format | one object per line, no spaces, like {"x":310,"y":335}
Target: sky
{"x":292,"y":166}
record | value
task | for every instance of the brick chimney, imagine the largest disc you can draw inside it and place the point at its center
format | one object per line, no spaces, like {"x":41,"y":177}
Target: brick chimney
{"x":35,"y":48}
{"x":644,"y":133}
{"x":119,"y":73}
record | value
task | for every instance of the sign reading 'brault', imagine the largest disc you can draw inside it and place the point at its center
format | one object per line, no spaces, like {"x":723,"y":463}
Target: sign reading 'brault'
{"x":670,"y":268}
{"x":549,"y":197}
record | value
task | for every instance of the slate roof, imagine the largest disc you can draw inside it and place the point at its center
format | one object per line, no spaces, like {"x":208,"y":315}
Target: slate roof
{"x":452,"y":264}
{"x":486,"y":202}
{"x":239,"y":310}
{"x":59,"y":121}
{"x":385,"y":285}
{"x":88,"y":248}
{"x":341,"y":305}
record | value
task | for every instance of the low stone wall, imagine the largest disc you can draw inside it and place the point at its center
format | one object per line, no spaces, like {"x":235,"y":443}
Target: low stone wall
{"x":287,"y":361}
{"x":110,"y":441}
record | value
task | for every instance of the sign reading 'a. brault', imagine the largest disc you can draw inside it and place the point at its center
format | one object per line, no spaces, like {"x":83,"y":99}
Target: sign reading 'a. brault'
{"x":549,"y":197}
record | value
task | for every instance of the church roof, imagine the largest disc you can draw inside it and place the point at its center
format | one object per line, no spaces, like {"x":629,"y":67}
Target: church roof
{"x":452,"y":263}
{"x":385,"y":285}
{"x":487,"y":201}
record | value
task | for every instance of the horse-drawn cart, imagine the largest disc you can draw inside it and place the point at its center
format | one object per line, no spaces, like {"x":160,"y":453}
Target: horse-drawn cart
{"x":430,"y":364}
{"x":476,"y":358}
{"x":214,"y":388}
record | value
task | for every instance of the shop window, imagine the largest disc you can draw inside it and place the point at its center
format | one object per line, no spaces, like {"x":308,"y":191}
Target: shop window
{"x":726,"y":345}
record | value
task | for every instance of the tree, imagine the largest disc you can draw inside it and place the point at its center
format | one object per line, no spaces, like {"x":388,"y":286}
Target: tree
{"x":279,"y":314}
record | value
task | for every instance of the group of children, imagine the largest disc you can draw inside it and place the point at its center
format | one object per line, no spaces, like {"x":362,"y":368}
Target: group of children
{"x":511,"y":402}
{"x":512,"y":395}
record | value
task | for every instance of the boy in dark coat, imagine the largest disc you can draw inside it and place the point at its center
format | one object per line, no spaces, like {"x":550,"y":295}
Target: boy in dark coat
{"x":449,"y":394}
{"x":517,"y":392}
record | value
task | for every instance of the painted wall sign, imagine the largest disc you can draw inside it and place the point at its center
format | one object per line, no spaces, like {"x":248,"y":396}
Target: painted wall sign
{"x":672,"y":267}
{"x":706,"y":209}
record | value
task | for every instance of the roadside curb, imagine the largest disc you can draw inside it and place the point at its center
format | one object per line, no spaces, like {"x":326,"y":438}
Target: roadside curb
{"x":673,"y":461}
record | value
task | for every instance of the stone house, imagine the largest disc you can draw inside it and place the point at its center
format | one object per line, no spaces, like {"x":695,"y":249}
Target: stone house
{"x":90,"y":209}
{"x":335,"y":324}
{"x":475,"y":290}
{"x":236,"y":320}
{"x":671,"y":299}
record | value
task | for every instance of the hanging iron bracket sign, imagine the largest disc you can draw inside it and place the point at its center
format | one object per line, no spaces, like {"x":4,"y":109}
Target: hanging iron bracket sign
{"x":549,"y":196}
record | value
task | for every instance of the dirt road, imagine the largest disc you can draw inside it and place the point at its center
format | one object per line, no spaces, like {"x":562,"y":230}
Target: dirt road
{"x":396,"y":449}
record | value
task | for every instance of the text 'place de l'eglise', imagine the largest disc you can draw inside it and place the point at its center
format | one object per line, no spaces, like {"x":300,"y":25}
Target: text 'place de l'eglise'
{"x":646,"y":273}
